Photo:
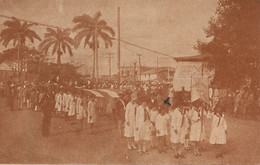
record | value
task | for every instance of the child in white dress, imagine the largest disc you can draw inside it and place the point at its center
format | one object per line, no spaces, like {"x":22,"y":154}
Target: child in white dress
{"x":197,"y":130}
{"x":218,"y":130}
{"x":161,"y":125}
{"x":143,"y":126}
{"x":179,"y":129}
{"x":153,"y":115}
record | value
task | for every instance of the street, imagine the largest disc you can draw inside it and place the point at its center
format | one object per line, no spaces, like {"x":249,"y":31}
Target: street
{"x":21,"y":142}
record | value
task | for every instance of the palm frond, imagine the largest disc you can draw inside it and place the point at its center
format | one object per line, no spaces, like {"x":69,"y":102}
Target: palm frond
{"x":81,"y":26}
{"x":69,"y":40}
{"x":31,"y":34}
{"x":44,"y":42}
{"x":106,"y":38}
{"x":87,"y":38}
{"x":48,"y":45}
{"x":63,"y":47}
{"x":14,"y":23}
{"x":69,"y":49}
{"x":78,"y":38}
{"x":25,"y":25}
{"x":96,"y":17}
{"x":83,"y":18}
{"x":55,"y":48}
{"x":52,"y":32}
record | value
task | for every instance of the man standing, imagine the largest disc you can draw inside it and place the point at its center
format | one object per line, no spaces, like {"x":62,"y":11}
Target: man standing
{"x":46,"y":105}
{"x":120,"y":114}
{"x":130,"y":121}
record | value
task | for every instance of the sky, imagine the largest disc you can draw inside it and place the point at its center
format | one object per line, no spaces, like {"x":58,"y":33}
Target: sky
{"x":168,"y":26}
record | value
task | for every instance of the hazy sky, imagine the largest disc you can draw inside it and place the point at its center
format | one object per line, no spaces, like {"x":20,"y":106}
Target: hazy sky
{"x":168,"y":26}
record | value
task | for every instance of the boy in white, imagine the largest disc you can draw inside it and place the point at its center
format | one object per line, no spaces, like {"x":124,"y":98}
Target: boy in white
{"x":161,"y":124}
{"x":143,"y":126}
{"x":179,"y":129}
{"x":130,"y":121}
{"x":218,"y":130}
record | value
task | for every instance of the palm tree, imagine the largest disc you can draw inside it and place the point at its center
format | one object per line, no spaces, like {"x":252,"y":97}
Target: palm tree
{"x":18,"y":33}
{"x":59,"y":40}
{"x":90,"y":29}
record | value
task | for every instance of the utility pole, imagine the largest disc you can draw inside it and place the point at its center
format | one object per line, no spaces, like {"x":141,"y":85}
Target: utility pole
{"x":118,"y":45}
{"x":109,"y":63}
{"x":134,"y":70}
{"x":140,"y":66}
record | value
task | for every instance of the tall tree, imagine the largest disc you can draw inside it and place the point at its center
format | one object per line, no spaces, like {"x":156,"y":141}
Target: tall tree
{"x":18,"y":33}
{"x":59,"y":40}
{"x":90,"y":29}
{"x":235,"y":46}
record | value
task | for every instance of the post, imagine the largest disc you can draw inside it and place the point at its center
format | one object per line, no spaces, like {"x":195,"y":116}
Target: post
{"x":109,"y":63}
{"x":139,"y":66}
{"x":118,"y":45}
{"x":134,"y":70}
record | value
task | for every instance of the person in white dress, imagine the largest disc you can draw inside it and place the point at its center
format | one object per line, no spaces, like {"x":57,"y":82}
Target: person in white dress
{"x":91,"y":113}
{"x":218,"y":135}
{"x":197,"y":130}
{"x":60,"y":103}
{"x":179,"y":128}
{"x":72,"y":104}
{"x":65,"y":103}
{"x":130,"y":121}
{"x":143,"y":126}
{"x":56,"y":101}
{"x":81,"y":113}
{"x":153,"y":114}
{"x":161,"y":126}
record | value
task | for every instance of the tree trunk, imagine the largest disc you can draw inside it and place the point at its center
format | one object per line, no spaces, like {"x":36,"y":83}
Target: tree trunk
{"x":94,"y":59}
{"x":59,"y":53}
{"x":97,"y":63}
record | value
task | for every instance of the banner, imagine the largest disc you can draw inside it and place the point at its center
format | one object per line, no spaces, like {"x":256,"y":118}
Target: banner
{"x":200,"y":89}
{"x":185,"y":71}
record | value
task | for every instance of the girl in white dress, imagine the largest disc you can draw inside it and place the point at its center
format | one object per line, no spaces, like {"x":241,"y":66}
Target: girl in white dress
{"x":197,"y":130}
{"x":143,"y":126}
{"x":161,"y":125}
{"x":81,"y":113}
{"x":91,"y":113}
{"x":179,"y":129}
{"x":153,"y":114}
{"x":218,"y":130}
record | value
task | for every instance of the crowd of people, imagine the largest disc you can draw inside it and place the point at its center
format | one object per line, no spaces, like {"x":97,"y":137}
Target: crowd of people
{"x":146,"y":113}
{"x":149,"y":123}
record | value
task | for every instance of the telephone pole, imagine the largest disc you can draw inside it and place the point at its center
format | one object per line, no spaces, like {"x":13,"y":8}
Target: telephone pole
{"x":140,"y":66}
{"x":109,"y":63}
{"x":118,"y":45}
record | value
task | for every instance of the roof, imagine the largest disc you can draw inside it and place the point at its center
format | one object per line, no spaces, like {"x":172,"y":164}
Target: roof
{"x":158,"y":70}
{"x":192,"y":58}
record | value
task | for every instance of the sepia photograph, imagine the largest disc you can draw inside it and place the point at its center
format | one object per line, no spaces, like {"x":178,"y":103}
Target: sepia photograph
{"x":130,"y":82}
